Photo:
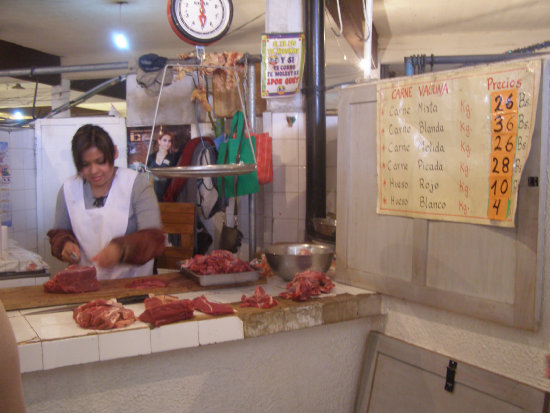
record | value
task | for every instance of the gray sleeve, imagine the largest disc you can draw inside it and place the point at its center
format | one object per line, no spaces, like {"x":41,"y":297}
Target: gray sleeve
{"x":144,"y":205}
{"x":62,"y":220}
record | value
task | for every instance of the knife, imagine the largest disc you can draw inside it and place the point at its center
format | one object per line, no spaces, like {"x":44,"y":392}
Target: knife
{"x":132,"y":299}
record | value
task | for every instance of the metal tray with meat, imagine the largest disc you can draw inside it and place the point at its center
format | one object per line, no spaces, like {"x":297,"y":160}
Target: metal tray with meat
{"x":220,"y":267}
{"x":222,"y":279}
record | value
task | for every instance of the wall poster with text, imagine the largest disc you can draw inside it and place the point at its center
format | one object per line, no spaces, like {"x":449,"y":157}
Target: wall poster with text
{"x":451,"y":146}
{"x":282,"y":64}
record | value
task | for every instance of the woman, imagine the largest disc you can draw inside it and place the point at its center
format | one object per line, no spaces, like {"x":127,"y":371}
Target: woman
{"x":106,"y":215}
{"x":164,"y":155}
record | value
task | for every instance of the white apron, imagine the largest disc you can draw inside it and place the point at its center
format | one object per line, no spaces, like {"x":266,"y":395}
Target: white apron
{"x":96,"y":227}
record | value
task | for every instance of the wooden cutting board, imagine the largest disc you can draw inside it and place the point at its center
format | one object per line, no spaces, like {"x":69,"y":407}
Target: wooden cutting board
{"x":18,"y":298}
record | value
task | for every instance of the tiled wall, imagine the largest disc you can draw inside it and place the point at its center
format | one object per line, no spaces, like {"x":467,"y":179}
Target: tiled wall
{"x":285,"y":198}
{"x":22,"y":164}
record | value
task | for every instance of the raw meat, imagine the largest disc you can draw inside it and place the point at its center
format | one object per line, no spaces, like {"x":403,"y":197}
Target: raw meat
{"x":166,"y":309}
{"x":147,"y":283}
{"x":259,"y":299}
{"x":217,"y":262}
{"x":204,"y":306}
{"x":306,"y":284}
{"x":73,"y":279}
{"x":103,"y":315}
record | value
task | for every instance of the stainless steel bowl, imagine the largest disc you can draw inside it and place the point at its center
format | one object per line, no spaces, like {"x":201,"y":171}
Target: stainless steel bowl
{"x":325,"y":226}
{"x":286,"y":259}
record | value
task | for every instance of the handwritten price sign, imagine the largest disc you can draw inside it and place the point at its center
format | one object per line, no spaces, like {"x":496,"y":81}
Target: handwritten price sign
{"x":451,"y":145}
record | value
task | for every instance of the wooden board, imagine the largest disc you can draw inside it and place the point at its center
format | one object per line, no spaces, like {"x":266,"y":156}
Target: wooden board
{"x":177,"y":218}
{"x":19,"y":298}
{"x":478,"y":270}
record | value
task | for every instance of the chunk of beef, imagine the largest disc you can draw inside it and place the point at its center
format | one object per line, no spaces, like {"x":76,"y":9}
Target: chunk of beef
{"x":73,"y":279}
{"x":217,"y":262}
{"x":306,"y":284}
{"x":259,"y":299}
{"x":103,"y":315}
{"x":166,"y":309}
{"x":208,"y":307}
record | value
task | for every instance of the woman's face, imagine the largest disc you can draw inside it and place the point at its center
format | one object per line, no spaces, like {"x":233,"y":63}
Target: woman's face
{"x":165,"y":142}
{"x":96,"y":170}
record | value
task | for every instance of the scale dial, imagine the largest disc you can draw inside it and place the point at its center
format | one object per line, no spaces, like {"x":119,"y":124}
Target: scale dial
{"x":200,"y":22}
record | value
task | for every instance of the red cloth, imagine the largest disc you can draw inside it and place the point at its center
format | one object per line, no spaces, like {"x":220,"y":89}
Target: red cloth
{"x":176,"y":185}
{"x":264,"y":158}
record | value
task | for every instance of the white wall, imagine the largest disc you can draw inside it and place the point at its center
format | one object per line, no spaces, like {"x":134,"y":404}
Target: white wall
{"x":285,"y":198}
{"x":22,"y":164}
{"x":312,"y":370}
{"x":514,"y":353}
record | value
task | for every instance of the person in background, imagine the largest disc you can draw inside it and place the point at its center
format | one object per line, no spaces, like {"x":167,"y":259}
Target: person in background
{"x":164,"y":155}
{"x":106,"y":215}
{"x":11,"y":388}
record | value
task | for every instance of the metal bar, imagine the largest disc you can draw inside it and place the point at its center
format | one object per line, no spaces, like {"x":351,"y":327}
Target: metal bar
{"x":52,"y":70}
{"x":87,"y":95}
{"x":252,"y":197}
{"x":477,"y":58}
{"x":414,"y":62}
{"x":64,"y":107}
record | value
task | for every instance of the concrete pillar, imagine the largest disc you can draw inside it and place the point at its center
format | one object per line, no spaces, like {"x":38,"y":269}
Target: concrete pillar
{"x":284,"y":199}
{"x":284,"y":16}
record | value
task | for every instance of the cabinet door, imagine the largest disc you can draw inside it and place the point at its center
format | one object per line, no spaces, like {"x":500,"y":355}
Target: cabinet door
{"x":400,"y":377}
{"x":487,"y":272}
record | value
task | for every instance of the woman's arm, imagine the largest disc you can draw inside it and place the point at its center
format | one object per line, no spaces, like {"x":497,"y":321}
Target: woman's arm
{"x":62,"y":233}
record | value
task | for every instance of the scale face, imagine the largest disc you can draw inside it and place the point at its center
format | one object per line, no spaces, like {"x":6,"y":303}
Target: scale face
{"x":200,"y":22}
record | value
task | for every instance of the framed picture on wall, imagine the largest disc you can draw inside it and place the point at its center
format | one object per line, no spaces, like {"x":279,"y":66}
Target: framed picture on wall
{"x":139,"y":140}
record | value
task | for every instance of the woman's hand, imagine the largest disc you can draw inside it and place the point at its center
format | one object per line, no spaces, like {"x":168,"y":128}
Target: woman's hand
{"x":71,"y":253}
{"x":109,"y":256}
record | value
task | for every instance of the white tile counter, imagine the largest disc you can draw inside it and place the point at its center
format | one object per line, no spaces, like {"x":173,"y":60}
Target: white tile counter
{"x":49,"y":341}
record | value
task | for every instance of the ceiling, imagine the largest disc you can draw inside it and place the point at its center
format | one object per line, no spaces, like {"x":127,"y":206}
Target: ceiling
{"x":78,"y":31}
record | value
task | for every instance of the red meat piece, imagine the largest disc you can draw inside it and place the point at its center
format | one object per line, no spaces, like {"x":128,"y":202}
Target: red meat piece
{"x":217,"y":262}
{"x":161,"y":310}
{"x":143,"y":283}
{"x":158,"y":300}
{"x":259,"y":299}
{"x":204,"y":306}
{"x":306,"y":284}
{"x":103,"y":315}
{"x":73,"y":279}
{"x":300,"y":290}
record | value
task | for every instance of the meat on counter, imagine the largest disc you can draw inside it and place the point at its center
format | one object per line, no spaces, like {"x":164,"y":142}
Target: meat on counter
{"x":73,"y":279}
{"x":103,"y":314}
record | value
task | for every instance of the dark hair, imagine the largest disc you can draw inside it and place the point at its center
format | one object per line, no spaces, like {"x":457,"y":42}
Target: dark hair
{"x":172,"y":146}
{"x":89,"y":136}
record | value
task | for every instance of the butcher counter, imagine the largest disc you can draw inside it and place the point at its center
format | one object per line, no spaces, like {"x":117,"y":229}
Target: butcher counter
{"x":51,"y":340}
{"x":254,"y":360}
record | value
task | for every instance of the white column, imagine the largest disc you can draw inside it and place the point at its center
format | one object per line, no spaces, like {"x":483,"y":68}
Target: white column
{"x":284,"y":199}
{"x":284,"y":16}
{"x":367,"y":47}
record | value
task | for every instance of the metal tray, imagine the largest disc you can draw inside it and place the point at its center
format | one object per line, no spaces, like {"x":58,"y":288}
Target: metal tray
{"x":222,"y":279}
{"x":203,"y":170}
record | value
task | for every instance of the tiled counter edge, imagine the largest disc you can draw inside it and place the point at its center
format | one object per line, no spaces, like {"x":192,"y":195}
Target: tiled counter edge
{"x":54,"y":340}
